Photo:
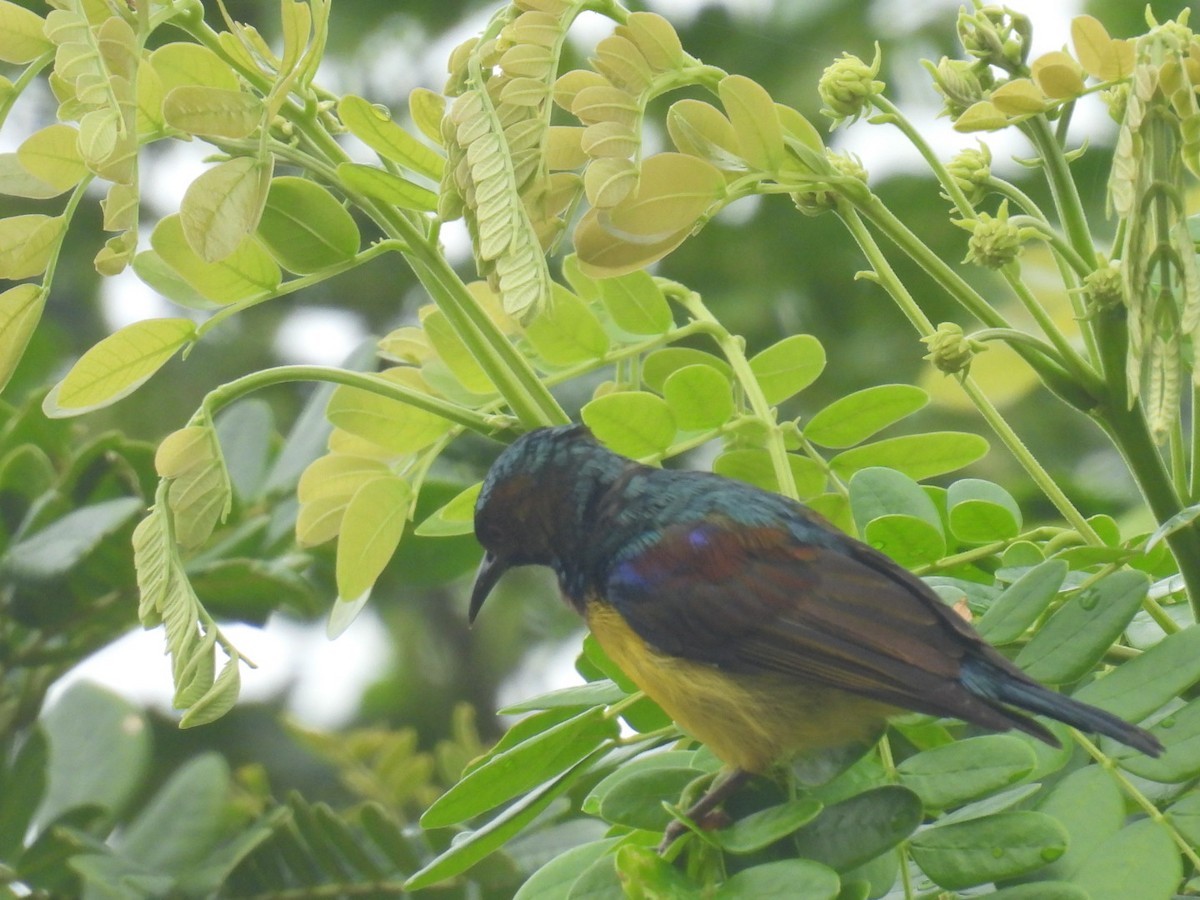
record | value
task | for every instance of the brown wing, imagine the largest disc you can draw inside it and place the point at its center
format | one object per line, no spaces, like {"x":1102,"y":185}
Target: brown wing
{"x":834,"y":613}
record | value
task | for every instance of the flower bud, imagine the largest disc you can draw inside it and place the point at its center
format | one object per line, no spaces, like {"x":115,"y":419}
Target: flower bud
{"x":961,"y":83}
{"x":950,"y":350}
{"x":997,"y":36}
{"x":847,"y":86}
{"x":995,"y":242}
{"x":971,"y":168}
{"x":1105,"y":288}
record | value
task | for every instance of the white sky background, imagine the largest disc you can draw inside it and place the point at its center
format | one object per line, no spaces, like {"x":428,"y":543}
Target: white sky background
{"x":325,"y":678}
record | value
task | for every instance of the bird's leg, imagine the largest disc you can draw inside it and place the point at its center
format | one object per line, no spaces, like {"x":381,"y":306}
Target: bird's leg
{"x":721,"y":789}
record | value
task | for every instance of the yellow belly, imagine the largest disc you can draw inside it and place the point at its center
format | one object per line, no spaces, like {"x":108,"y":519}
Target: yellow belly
{"x":749,"y":721}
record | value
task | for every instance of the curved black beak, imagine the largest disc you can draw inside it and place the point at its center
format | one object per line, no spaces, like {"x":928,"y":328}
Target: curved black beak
{"x":490,"y":570}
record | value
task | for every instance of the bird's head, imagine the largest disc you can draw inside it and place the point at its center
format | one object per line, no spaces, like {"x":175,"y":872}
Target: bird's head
{"x":533,"y":499}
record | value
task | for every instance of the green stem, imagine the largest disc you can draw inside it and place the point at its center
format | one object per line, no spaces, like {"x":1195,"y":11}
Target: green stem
{"x":894,"y":116}
{"x":889,"y":769}
{"x":225,"y":394}
{"x":1194,"y":475}
{"x":899,"y":293}
{"x":734,"y":349}
{"x":1074,"y":363}
{"x":1062,"y":188}
{"x":23,"y":81}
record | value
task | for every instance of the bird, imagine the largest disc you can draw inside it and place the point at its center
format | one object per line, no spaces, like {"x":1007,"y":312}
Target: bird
{"x":759,"y":628}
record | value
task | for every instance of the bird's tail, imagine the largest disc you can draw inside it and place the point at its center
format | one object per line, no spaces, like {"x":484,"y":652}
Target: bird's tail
{"x":990,"y":681}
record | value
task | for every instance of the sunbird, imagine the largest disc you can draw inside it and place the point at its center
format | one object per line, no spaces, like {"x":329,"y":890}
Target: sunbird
{"x":761,"y":629}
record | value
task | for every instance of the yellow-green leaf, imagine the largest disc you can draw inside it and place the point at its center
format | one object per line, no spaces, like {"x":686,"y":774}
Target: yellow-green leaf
{"x":454,"y":353}
{"x":1019,"y":97}
{"x":305,"y":227}
{"x":981,"y":116}
{"x":752,"y":113}
{"x":655,"y":37}
{"x":22,"y":38}
{"x":337,"y":476}
{"x":20,"y":311}
{"x":379,"y":184}
{"x":673,"y":192}
{"x":567,"y":331}
{"x":636,"y":303}
{"x":182,"y":450}
{"x":16,"y":180}
{"x":185,"y":63}
{"x":1100,"y":56}
{"x":118,"y":365}
{"x":26,"y":243}
{"x":390,"y":424}
{"x":371,"y":530}
{"x":248,"y":271}
{"x":371,"y":125}
{"x":426,"y":109}
{"x":789,"y":366}
{"x":699,"y":397}
{"x":213,"y":112}
{"x":700,"y":129}
{"x":52,"y":155}
{"x":636,"y":423}
{"x":1058,"y":75}
{"x":218,"y":699}
{"x":222,"y":207}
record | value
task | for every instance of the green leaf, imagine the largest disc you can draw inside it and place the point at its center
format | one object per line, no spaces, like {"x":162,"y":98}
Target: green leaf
{"x":22,"y":38}
{"x":1138,"y":861}
{"x":305,"y":227}
{"x":877,"y":491}
{"x":523,"y":767}
{"x":213,"y":111}
{"x":788,"y":367}
{"x":948,"y":776}
{"x":861,"y":827}
{"x":636,"y":801}
{"x":908,"y":540}
{"x":22,"y":785}
{"x":636,"y":303}
{"x":661,"y":363}
{"x":651,"y":876}
{"x":761,"y":829}
{"x":918,"y":456}
{"x":153,"y":270}
{"x":981,"y":512}
{"x":1023,"y":602}
{"x":1179,"y":733}
{"x":1042,"y":890}
{"x":453,"y":352}
{"x":754,"y":466}
{"x":634,"y":423}
{"x":84,"y":719}
{"x":20,"y":311}
{"x":222,"y":207}
{"x":1141,"y":685}
{"x":647,"y":762}
{"x":553,"y":881}
{"x":594,"y":693}
{"x":183,"y":820}
{"x":456,"y":517}
{"x":858,"y":416}
{"x":52,"y":155}
{"x":784,"y":879}
{"x":118,"y":365}
{"x":244,"y":433}
{"x":371,"y":530}
{"x":700,"y":397}
{"x":1077,"y":636}
{"x":379,"y":184}
{"x":53,"y":551}
{"x":26,"y":244}
{"x":1181,"y":519}
{"x":990,"y":848}
{"x":567,"y":332}
{"x":372,"y":125}
{"x":1089,"y":805}
{"x":247,"y":272}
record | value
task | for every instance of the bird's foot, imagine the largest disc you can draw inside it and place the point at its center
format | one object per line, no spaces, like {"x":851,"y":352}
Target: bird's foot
{"x":704,"y":813}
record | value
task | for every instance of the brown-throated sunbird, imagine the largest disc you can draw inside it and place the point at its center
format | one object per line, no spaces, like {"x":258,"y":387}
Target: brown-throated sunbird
{"x":755,"y":624}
